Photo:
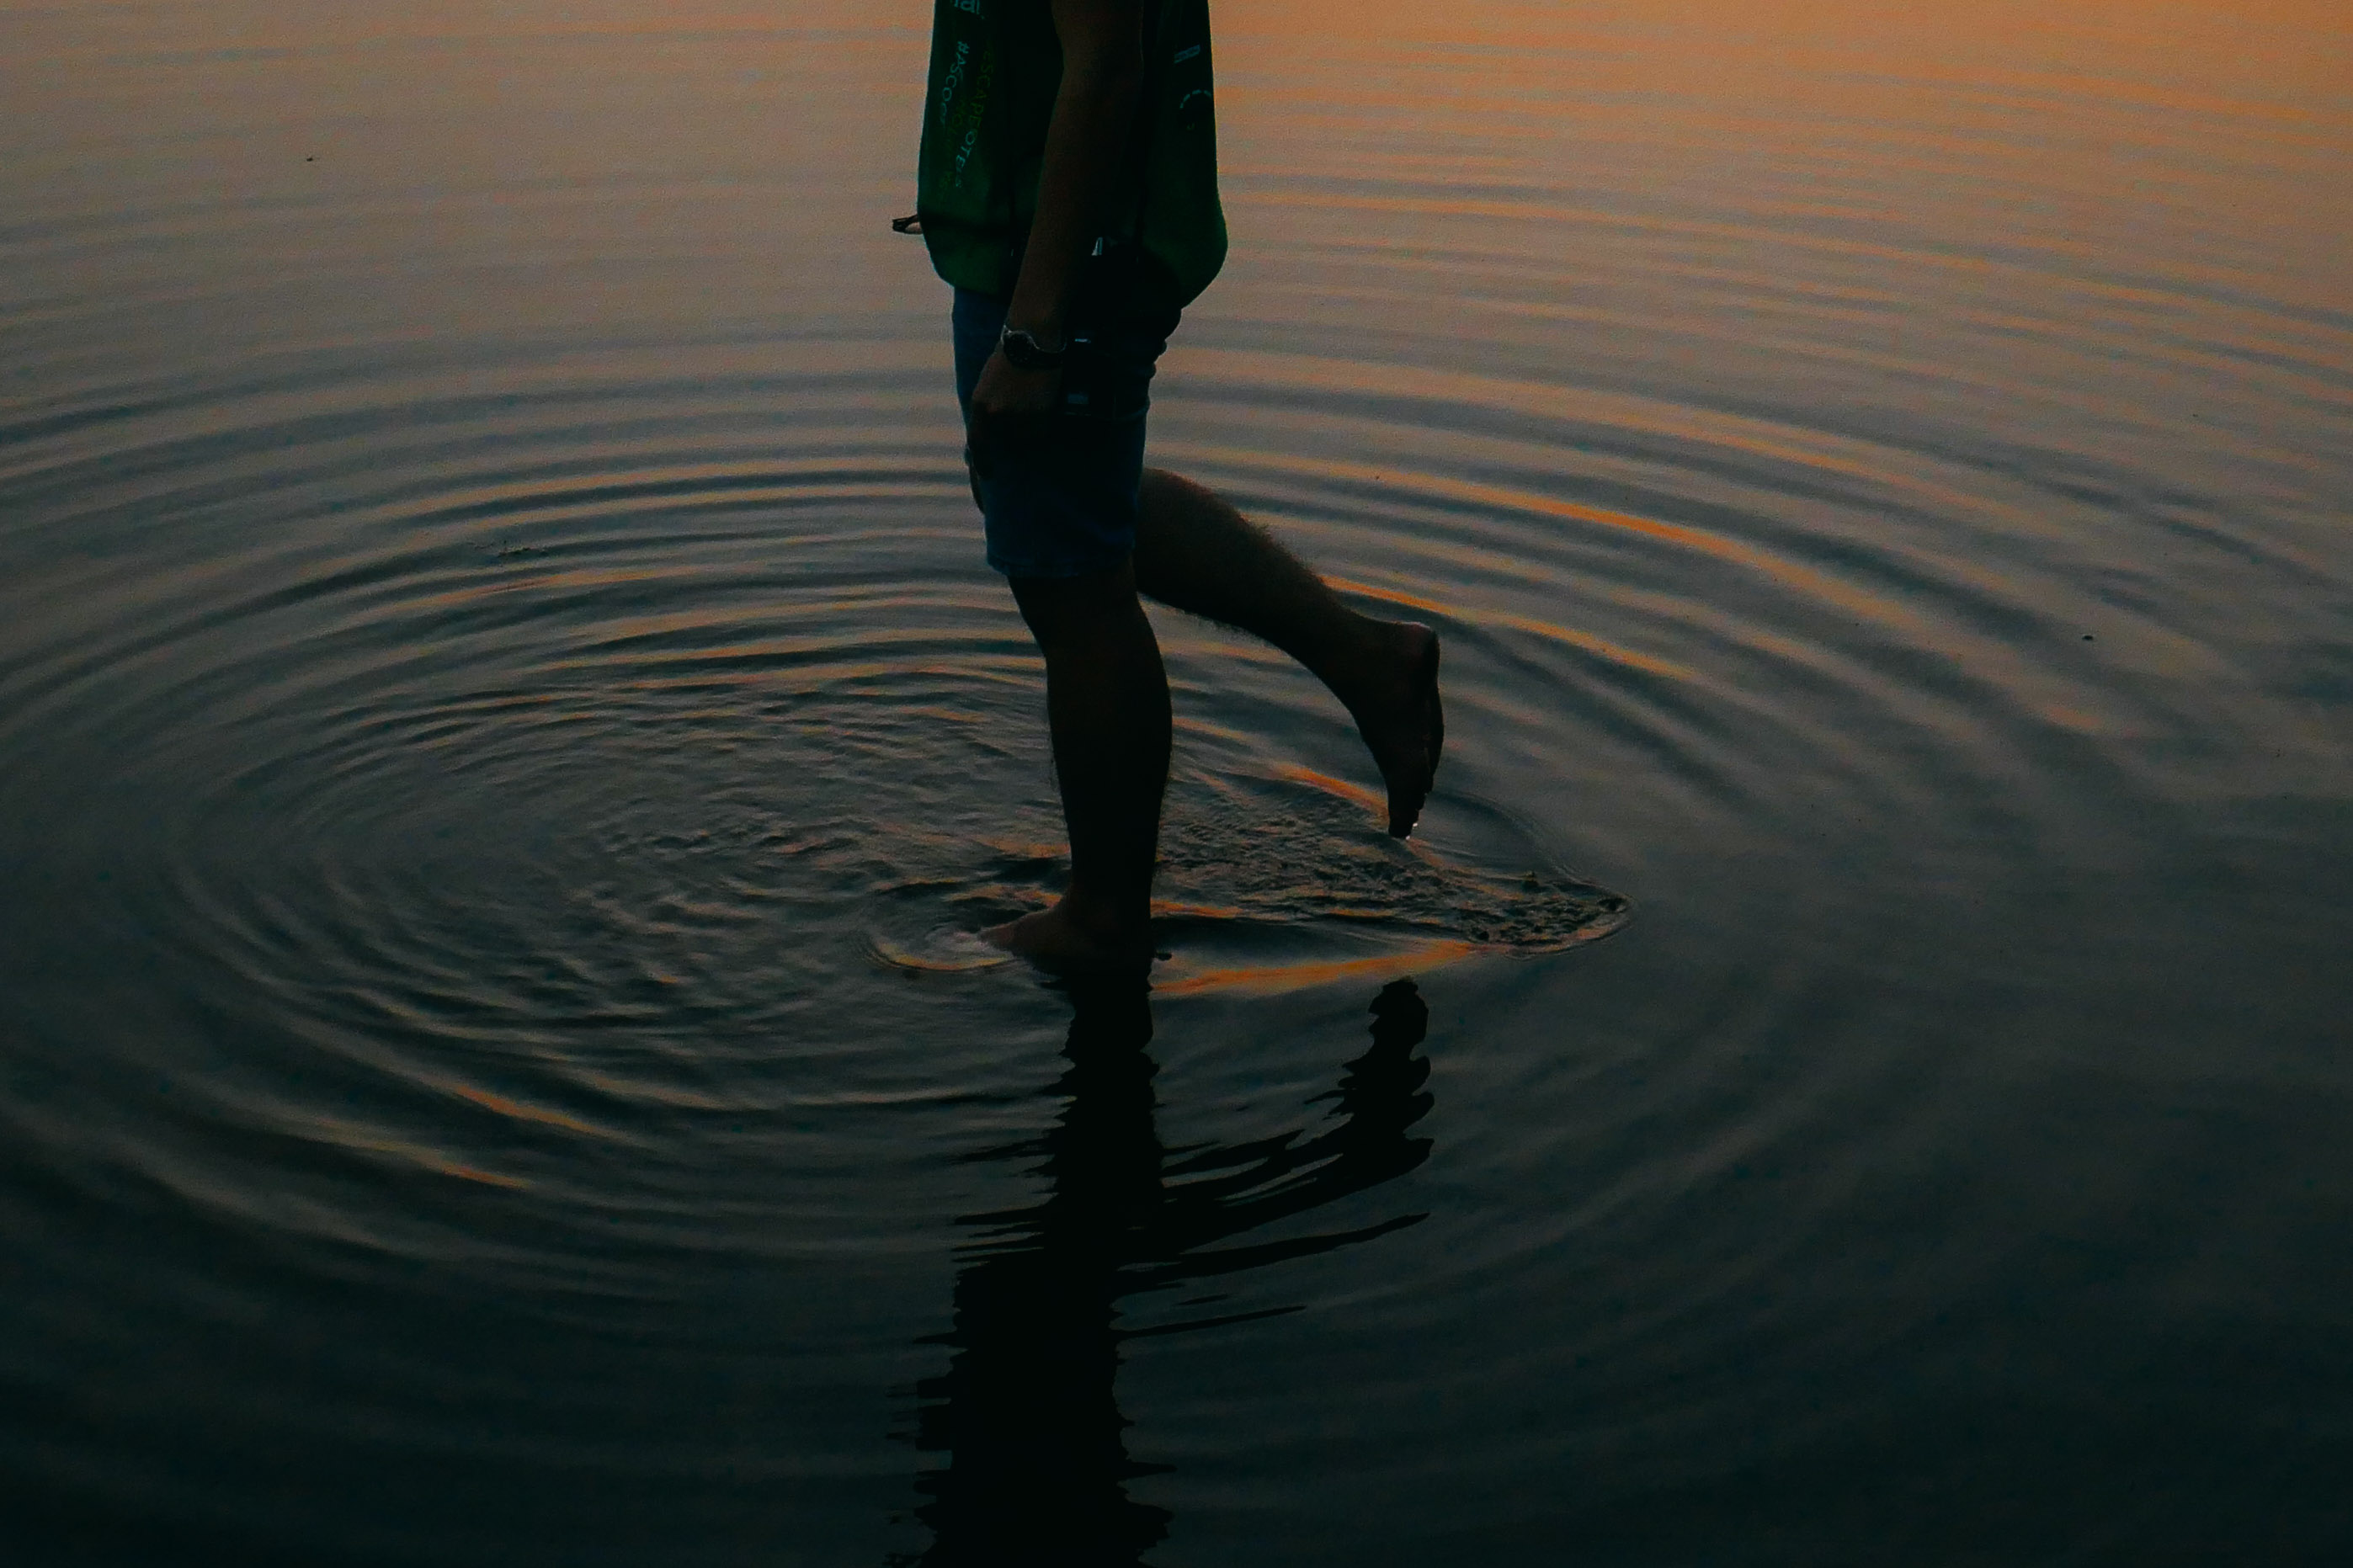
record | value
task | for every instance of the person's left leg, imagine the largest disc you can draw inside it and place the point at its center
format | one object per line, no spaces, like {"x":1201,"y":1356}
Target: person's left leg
{"x":1107,"y":710}
{"x":1194,"y":553}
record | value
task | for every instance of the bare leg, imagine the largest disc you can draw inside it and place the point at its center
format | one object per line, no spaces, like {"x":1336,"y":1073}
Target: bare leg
{"x":1196,"y":554}
{"x":1107,"y":707}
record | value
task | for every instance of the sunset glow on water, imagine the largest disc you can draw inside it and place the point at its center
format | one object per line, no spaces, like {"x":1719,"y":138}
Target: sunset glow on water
{"x":506,"y":735}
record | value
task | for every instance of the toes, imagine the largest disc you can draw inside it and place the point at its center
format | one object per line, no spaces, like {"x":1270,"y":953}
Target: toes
{"x":1405,"y":739}
{"x":1433,"y":740}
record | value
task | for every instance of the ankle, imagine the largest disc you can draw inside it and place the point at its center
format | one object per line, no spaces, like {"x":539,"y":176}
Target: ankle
{"x":1365,"y":664}
{"x":1112,"y":921}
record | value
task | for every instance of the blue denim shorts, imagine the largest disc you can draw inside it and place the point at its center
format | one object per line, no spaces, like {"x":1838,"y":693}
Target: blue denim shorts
{"x":1062,"y":503}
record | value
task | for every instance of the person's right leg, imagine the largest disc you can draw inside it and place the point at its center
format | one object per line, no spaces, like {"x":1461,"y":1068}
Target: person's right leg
{"x":1196,"y":554}
{"x":1107,"y":712}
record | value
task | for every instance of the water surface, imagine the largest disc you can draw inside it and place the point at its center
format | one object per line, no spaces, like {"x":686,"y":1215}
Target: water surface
{"x":504,"y":721}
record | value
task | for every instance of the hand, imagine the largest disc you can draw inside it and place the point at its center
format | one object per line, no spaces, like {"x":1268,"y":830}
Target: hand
{"x":1009,"y":404}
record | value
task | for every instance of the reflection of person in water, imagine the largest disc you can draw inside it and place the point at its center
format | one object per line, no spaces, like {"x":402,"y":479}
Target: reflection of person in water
{"x":1038,"y":1466}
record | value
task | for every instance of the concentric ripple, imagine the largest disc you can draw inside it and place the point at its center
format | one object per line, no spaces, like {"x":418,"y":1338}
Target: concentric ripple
{"x":506,"y":739}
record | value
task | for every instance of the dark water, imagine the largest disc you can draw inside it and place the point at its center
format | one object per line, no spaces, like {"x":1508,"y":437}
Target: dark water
{"x":504,"y":718}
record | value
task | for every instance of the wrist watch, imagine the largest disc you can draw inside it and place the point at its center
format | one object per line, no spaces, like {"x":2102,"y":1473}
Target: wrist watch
{"x":1024,"y":350}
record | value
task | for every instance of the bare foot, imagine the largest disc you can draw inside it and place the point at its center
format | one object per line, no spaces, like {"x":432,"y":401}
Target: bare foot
{"x":1060,"y":941}
{"x":1395,"y":703}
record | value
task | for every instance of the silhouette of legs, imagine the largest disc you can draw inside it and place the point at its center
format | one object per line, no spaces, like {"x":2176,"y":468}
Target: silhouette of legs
{"x":1107,"y":703}
{"x":1194,"y":553}
{"x":1107,"y":710}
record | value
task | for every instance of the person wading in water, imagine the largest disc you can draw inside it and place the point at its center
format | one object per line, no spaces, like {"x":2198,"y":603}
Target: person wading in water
{"x":1068,"y":192}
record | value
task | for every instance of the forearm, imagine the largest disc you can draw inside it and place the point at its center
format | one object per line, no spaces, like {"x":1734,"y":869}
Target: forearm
{"x":1086,"y":144}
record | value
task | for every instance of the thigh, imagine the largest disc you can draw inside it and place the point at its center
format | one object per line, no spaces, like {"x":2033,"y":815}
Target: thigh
{"x":1062,"y":503}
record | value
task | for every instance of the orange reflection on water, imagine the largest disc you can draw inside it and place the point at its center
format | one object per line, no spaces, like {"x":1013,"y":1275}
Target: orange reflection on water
{"x":472,"y":1173}
{"x":1355,"y":793}
{"x":1550,"y":630}
{"x":1815,"y":584}
{"x":1163,"y":908}
{"x":1268,"y":980}
{"x":348,"y":1135}
{"x":517,"y":1110}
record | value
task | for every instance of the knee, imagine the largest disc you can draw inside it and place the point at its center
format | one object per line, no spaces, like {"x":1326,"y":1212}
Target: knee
{"x":1065,"y":610}
{"x":1162,"y":491}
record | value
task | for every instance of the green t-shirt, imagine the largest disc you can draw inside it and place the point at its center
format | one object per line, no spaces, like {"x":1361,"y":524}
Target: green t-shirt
{"x":996,"y":67}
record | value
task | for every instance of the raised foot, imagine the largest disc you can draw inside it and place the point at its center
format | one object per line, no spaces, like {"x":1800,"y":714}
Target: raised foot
{"x":1396,"y":705}
{"x":1060,"y":943}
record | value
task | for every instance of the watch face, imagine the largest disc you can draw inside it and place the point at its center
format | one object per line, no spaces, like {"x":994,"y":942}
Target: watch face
{"x":1023,"y":350}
